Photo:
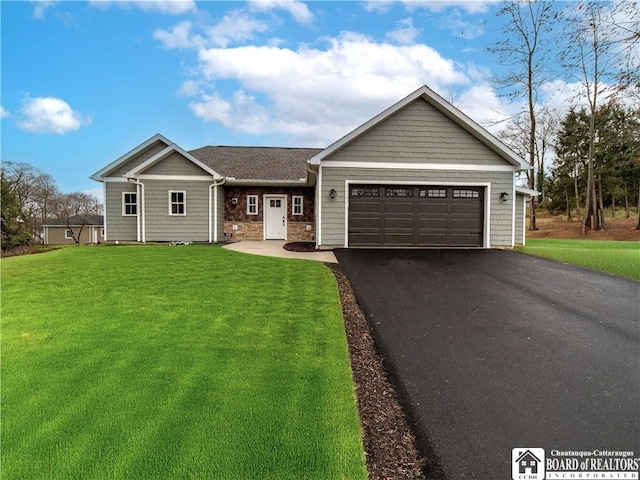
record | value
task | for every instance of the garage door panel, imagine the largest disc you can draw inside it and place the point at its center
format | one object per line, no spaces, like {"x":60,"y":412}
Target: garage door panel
{"x":433,"y":216}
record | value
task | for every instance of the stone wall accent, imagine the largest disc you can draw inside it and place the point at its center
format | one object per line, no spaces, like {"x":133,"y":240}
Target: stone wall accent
{"x":296,"y":231}
{"x":238,"y":212}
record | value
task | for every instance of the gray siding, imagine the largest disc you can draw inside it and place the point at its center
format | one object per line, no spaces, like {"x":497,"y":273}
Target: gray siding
{"x":162,"y":227}
{"x":333,"y":211}
{"x":519,"y":223}
{"x":175,"y":164}
{"x":138,"y":159}
{"x":118,"y":227}
{"x":418,"y":134}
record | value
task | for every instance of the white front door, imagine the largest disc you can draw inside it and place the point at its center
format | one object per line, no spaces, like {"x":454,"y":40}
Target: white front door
{"x":275,"y":210}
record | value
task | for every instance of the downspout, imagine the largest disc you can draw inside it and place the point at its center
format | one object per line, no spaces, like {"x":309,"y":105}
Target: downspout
{"x":316,"y":209}
{"x":215,"y":211}
{"x":140,"y":220}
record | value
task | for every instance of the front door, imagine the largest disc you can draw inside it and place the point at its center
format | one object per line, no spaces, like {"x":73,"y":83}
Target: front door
{"x":275,"y":217}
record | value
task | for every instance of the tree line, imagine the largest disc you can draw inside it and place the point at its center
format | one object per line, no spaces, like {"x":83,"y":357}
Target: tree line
{"x":586,"y":159}
{"x":30,"y":198}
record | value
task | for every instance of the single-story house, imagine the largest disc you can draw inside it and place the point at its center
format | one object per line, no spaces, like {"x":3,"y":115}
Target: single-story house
{"x":419,"y":174}
{"x":90,"y":229}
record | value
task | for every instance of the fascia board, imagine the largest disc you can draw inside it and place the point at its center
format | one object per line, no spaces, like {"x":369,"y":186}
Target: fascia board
{"x":527,"y":191}
{"x":100,"y":174}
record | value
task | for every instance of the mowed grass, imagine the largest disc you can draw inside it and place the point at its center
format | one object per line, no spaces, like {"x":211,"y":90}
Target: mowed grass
{"x":618,"y":258}
{"x":148,"y":362}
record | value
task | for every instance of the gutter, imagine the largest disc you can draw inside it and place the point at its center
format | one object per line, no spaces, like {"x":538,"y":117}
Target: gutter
{"x":140,"y":218}
{"x":214,"y":185}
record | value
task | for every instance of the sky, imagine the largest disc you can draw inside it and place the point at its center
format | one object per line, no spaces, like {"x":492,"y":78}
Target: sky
{"x":82,"y":83}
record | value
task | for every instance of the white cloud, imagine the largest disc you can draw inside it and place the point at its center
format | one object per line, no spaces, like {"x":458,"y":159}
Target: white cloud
{"x":378,"y":6}
{"x":298,"y":10}
{"x":4,"y":113}
{"x":405,"y":34}
{"x":316,"y":95}
{"x":41,"y":7}
{"x":50,"y":115}
{"x":170,"y":7}
{"x":177,"y":37}
{"x":470,"y":6}
{"x":236,"y":26}
{"x":462,"y":28}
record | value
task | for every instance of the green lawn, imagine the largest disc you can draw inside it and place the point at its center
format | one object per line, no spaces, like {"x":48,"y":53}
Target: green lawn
{"x":139,"y":362}
{"x":619,"y":258}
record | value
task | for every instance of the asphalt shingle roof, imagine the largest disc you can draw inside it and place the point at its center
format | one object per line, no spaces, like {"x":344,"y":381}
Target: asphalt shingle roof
{"x":76,"y":220}
{"x":257,"y":163}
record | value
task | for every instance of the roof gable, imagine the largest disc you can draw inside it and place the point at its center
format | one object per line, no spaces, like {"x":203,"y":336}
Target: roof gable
{"x":443,"y":107}
{"x":164,"y":154}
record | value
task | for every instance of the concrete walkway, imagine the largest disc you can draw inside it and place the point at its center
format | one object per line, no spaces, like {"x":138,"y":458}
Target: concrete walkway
{"x":274,"y":248}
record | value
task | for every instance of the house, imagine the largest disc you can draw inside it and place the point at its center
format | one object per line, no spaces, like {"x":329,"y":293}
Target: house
{"x":528,"y":463}
{"x":419,"y":174}
{"x":91,"y":230}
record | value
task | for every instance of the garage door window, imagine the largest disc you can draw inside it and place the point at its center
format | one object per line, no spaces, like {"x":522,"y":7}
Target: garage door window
{"x":364,"y":191}
{"x":433,"y":192}
{"x":457,"y":193}
{"x":398,"y":192}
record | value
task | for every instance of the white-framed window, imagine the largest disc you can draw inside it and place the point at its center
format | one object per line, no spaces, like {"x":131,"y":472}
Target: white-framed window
{"x":252,"y":204}
{"x":68,"y":234}
{"x":296,"y":204}
{"x":177,"y":202}
{"x":129,"y":204}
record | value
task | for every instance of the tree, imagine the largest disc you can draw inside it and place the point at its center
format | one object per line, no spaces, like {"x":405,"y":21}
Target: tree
{"x":524,"y":51}
{"x":75,"y":208}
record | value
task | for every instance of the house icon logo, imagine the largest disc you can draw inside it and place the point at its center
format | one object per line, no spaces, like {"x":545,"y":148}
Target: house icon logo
{"x":527,"y":464}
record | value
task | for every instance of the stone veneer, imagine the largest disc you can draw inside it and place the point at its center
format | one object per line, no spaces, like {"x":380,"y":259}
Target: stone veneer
{"x":296,"y":231}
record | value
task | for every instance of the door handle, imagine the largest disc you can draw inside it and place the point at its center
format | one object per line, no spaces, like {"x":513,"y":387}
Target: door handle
{"x":283,"y":221}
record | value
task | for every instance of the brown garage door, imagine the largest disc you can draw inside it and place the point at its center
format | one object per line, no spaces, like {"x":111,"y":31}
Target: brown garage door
{"x":415,"y":216}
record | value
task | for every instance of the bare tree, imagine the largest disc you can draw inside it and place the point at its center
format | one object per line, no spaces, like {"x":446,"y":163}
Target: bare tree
{"x":524,"y":51}
{"x":74,"y":209}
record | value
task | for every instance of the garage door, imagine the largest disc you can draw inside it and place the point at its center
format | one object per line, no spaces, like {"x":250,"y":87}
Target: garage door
{"x":415,"y":216}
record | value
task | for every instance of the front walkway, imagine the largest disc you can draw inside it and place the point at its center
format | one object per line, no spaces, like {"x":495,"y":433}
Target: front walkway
{"x":274,"y":248}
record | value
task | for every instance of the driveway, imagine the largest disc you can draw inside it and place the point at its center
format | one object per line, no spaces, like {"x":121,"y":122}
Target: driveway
{"x":495,"y":350}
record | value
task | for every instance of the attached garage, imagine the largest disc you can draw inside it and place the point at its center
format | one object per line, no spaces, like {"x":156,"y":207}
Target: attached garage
{"x":415,"y":216}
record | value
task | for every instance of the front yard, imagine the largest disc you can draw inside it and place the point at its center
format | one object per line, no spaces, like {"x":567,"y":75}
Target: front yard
{"x":174,"y":362}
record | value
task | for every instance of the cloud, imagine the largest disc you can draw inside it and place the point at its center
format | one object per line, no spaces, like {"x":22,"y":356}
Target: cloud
{"x":378,"y":6}
{"x":298,"y":10}
{"x":177,"y":37}
{"x":236,"y":26}
{"x":4,"y":113}
{"x":405,"y":34}
{"x":169,"y":7}
{"x":50,"y":115}
{"x":40,"y":8}
{"x":314,"y":95}
{"x":470,"y":6}
{"x":462,"y":28}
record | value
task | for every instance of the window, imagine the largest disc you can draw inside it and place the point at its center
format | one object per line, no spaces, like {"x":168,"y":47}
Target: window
{"x":68,"y":234}
{"x":177,"y":203}
{"x":297,"y":205}
{"x":102,"y":232}
{"x":129,"y":204}
{"x":252,"y":204}
{"x":433,"y":193}
{"x":398,"y":192}
{"x":458,"y":193}
{"x":364,"y":191}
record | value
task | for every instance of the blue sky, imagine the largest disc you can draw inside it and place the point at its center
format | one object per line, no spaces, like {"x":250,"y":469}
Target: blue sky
{"x":84,"y":82}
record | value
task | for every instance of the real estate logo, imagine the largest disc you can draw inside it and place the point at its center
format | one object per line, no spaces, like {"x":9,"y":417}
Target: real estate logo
{"x":527,"y":464}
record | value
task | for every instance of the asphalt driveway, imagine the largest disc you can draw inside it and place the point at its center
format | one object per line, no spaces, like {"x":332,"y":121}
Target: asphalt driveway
{"x":494,"y":350}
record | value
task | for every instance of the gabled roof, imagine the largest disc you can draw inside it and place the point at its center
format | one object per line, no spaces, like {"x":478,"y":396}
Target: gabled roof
{"x":173,"y":148}
{"x":443,"y":107}
{"x":527,"y":454}
{"x":100,"y":174}
{"x":76,"y":221}
{"x":257,"y":164}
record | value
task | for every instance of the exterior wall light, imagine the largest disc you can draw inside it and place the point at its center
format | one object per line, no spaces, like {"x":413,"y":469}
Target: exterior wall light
{"x":504,"y":196}
{"x":333,"y":193}
{"x":234,"y":201}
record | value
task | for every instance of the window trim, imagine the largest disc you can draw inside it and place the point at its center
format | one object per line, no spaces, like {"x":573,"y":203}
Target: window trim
{"x":183,"y":203}
{"x":125,"y":204}
{"x":295,"y":198}
{"x":249,"y":204}
{"x":66,"y":234}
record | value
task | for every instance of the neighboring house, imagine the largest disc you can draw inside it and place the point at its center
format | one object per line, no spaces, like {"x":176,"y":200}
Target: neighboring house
{"x":420,"y":174}
{"x":57,"y":231}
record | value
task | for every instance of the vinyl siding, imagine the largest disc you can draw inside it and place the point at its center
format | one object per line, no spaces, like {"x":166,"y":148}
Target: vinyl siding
{"x":55,"y":235}
{"x":138,"y":159}
{"x":162,"y":227}
{"x":418,"y":133}
{"x":519,"y":223}
{"x":118,"y":227}
{"x":175,"y":164}
{"x":333,"y":211}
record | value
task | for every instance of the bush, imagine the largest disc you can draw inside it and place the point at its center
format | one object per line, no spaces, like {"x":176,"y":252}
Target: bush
{"x":16,"y":240}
